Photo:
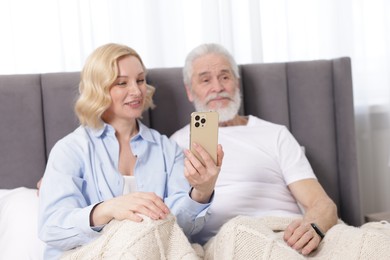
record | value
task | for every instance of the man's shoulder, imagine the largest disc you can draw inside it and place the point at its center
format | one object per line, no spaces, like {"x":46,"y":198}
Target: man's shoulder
{"x":181,"y":132}
{"x":256,"y":121}
{"x":181,"y":136}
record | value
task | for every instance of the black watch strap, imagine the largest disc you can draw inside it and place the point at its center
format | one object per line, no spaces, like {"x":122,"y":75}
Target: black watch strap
{"x":317,"y":230}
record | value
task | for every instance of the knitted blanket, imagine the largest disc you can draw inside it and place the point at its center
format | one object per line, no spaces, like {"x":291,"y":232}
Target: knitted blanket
{"x":150,"y":239}
{"x":262,"y":238}
{"x":240,"y":238}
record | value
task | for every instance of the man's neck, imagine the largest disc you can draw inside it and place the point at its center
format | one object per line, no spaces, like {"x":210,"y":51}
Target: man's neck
{"x":236,"y":121}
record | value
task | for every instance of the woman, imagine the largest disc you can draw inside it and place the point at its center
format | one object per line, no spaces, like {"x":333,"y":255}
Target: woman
{"x":113,"y":167}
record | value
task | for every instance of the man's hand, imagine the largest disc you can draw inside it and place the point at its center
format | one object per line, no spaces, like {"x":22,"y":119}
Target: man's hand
{"x":318,"y":208}
{"x":302,"y":237}
{"x":202,"y":177}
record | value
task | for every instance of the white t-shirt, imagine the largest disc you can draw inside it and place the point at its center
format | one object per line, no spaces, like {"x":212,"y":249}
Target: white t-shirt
{"x":261,"y":159}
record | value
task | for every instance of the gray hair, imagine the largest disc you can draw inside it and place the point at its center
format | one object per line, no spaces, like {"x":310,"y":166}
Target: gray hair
{"x":202,"y":50}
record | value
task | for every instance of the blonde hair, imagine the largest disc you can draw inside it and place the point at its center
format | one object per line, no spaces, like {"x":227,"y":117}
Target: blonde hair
{"x":98,"y":75}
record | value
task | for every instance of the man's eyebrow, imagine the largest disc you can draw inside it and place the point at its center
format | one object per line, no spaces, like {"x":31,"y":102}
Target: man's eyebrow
{"x":221,"y":71}
{"x":226,"y":71}
{"x":203,"y":73}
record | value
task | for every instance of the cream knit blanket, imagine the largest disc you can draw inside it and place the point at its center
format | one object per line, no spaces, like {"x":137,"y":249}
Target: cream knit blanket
{"x":161,"y":239}
{"x":241,"y":238}
{"x":262,"y":238}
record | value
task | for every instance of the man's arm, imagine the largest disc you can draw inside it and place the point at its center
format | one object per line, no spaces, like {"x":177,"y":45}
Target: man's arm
{"x":319,"y":209}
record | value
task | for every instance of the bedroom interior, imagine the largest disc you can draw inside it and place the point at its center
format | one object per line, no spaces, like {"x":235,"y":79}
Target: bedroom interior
{"x":45,"y":49}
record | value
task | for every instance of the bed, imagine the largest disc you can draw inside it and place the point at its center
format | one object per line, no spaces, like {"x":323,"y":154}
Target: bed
{"x":314,"y":99}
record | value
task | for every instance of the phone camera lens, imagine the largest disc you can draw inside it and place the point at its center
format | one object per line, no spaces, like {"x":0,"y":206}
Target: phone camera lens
{"x":203,"y":120}
{"x":197,"y":124}
{"x":197,"y":118}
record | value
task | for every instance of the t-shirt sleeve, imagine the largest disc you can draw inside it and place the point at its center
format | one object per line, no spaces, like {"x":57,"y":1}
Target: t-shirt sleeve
{"x":293,"y":162}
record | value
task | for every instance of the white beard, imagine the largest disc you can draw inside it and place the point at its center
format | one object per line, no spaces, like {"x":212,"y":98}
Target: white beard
{"x":225,"y":114}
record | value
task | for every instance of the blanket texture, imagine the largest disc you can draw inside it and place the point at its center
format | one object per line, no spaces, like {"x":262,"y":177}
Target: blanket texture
{"x":161,"y":239}
{"x":241,"y":238}
{"x":262,"y":238}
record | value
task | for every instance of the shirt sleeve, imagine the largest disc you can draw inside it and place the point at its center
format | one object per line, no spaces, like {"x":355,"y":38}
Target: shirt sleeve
{"x":190,"y":214}
{"x":63,"y":220}
{"x":293,"y":161}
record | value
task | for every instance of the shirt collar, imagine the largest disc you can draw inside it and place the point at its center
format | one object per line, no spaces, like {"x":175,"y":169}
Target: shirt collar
{"x":107,"y":130}
{"x":145,"y":133}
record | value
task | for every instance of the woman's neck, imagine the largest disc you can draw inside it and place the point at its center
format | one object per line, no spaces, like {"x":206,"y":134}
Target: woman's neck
{"x":125,"y":130}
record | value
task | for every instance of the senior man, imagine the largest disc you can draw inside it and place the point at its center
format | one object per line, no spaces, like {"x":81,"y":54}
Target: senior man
{"x":267,"y":195}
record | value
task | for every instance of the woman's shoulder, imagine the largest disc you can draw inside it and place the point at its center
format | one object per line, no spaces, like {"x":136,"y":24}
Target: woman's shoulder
{"x":78,"y":138}
{"x":160,"y":137}
{"x":79,"y":133}
{"x":152,"y":135}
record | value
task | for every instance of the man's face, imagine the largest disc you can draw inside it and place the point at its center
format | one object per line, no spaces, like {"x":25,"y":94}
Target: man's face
{"x":214,"y":86}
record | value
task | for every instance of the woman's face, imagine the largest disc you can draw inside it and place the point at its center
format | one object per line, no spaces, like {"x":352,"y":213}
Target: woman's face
{"x":128,"y":92}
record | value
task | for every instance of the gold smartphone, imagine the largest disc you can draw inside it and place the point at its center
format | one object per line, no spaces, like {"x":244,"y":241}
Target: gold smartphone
{"x":204,"y":131}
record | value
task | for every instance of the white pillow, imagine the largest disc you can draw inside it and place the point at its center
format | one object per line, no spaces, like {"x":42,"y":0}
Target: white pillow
{"x":18,"y":225}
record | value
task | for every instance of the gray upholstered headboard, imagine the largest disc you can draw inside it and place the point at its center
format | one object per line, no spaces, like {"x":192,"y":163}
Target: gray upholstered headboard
{"x":312,"y":98}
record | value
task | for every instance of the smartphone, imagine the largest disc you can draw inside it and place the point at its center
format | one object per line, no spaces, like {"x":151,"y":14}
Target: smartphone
{"x":204,"y":131}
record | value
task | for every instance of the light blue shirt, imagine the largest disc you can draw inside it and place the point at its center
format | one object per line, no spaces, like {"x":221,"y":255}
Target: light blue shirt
{"x":82,"y":170}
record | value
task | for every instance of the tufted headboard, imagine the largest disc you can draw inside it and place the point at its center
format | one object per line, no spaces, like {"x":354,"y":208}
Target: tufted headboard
{"x":312,"y":98}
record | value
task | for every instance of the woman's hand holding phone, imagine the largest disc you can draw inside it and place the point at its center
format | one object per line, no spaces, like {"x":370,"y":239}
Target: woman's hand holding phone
{"x":204,"y":159}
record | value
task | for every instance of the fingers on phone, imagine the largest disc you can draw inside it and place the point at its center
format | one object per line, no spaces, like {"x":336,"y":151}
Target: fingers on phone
{"x":220,"y":155}
{"x":195,"y":162}
{"x":203,"y":154}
